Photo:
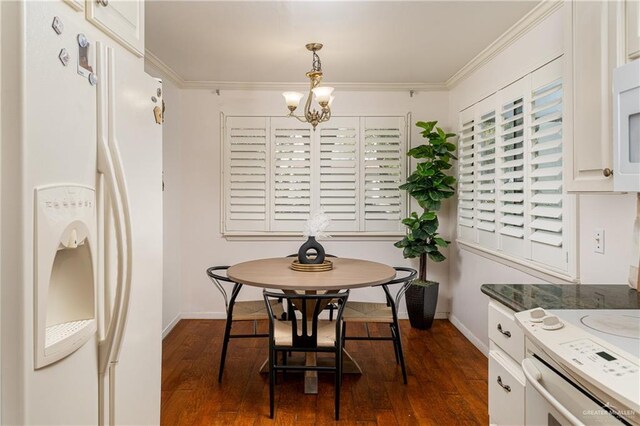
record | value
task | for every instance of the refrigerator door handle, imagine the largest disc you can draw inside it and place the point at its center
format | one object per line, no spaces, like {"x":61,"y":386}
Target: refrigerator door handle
{"x":123,"y":301}
{"x":106,"y":168}
{"x":110,"y":165}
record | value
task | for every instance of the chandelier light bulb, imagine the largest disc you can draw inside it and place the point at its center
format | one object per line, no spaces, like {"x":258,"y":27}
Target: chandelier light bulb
{"x":331,"y":98}
{"x":292,"y":99}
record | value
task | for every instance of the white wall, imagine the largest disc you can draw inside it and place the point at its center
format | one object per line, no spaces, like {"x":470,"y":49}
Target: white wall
{"x":197,"y":163}
{"x":172,"y":206}
{"x":614,"y":213}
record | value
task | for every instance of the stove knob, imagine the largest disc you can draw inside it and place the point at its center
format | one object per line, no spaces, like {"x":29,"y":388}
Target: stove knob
{"x":537,"y":315}
{"x":552,"y":322}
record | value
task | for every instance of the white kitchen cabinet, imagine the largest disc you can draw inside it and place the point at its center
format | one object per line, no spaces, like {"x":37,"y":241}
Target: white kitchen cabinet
{"x":504,"y":331}
{"x":506,"y":379}
{"x":632,"y":15}
{"x":75,"y":4}
{"x":506,"y":390}
{"x":593,"y":40}
{"x":122,"y":20}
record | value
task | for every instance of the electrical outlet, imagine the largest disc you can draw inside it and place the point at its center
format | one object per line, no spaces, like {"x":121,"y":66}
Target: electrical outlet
{"x":598,"y":240}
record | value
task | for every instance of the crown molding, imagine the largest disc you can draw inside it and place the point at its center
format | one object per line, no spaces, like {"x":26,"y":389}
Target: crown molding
{"x":237,"y":85}
{"x":514,"y":33}
{"x":168,"y":72}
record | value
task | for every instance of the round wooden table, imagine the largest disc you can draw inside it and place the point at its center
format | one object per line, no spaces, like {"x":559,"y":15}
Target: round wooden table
{"x":346,"y":274}
{"x":276,"y":273}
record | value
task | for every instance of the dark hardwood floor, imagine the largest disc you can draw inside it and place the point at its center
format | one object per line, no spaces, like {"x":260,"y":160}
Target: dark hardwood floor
{"x":447,"y":381}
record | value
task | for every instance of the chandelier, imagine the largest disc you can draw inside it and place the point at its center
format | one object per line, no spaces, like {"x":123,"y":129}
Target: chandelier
{"x":322,"y":94}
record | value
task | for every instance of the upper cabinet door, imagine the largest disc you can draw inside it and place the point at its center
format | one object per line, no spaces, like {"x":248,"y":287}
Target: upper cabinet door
{"x":632,"y":12}
{"x":122,"y":20}
{"x":592,"y":42}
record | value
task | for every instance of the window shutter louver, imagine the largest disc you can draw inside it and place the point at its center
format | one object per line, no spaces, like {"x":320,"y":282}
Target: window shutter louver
{"x":466,"y":176}
{"x":485,"y":177}
{"x":247,"y":164}
{"x":511,"y":205}
{"x":546,"y":201}
{"x":383,"y":171}
{"x":340,"y":172}
{"x":546,"y":164}
{"x":291,"y":175}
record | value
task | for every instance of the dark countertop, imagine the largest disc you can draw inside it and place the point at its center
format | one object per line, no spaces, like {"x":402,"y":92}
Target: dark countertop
{"x":521,"y":297}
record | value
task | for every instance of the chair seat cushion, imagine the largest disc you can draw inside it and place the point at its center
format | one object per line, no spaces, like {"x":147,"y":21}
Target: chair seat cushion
{"x":249,"y":310}
{"x":367,"y":312}
{"x":326,"y":333}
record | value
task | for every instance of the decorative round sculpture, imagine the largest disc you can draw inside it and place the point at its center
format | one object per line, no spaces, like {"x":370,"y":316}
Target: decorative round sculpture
{"x":311,"y":252}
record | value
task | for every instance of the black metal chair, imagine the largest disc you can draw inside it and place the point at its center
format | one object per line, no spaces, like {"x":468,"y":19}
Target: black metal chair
{"x":246,"y":310}
{"x":366,"y":312}
{"x":304,"y":332}
{"x":333,"y":305}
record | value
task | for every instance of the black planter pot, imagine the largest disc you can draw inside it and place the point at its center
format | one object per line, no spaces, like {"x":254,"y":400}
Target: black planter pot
{"x":421,"y":304}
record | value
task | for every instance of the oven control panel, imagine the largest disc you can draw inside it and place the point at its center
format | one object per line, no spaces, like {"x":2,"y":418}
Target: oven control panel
{"x":586,"y":352}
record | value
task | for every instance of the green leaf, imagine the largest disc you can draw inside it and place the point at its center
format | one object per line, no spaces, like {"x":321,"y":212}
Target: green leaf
{"x":436,"y":256}
{"x":428,"y":216}
{"x":427,"y":126}
{"x":408,"y":221}
{"x":440,"y":242}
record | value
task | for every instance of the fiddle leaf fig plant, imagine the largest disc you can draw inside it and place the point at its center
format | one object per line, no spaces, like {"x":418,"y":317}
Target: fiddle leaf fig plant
{"x":428,"y":185}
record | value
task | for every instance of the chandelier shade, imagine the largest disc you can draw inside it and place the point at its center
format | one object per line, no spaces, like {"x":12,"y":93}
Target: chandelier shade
{"x":292,"y":99}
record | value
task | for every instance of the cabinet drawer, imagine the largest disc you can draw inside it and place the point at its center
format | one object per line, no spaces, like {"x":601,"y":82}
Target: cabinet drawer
{"x":506,"y":393}
{"x":504,"y":331}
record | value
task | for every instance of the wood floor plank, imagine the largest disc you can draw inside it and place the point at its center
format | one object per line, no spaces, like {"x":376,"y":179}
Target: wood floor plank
{"x":447,"y":380}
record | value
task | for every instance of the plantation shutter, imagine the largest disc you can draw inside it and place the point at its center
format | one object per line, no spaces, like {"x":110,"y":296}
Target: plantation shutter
{"x":246,"y":166}
{"x":339,"y":171}
{"x":485,"y":177}
{"x":466,"y":176}
{"x":291,"y":174}
{"x":511,"y":167}
{"x":383,"y":170}
{"x":547,"y":201}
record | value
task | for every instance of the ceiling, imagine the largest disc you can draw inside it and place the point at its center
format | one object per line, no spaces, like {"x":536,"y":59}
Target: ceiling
{"x":364,"y":41}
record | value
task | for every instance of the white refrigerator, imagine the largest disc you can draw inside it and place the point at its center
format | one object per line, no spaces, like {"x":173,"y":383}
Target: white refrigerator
{"x":81,"y":223}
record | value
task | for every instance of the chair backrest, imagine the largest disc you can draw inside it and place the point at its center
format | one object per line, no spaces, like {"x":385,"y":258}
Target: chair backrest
{"x":408,"y":275}
{"x":309,"y":306}
{"x":214,"y":275}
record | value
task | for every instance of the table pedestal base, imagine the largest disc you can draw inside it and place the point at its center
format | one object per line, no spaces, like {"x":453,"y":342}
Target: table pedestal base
{"x":349,"y":366}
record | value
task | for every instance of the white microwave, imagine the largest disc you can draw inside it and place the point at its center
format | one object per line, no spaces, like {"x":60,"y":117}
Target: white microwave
{"x":626,"y":127}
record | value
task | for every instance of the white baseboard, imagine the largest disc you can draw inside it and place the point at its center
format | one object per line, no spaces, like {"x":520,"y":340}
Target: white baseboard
{"x":469,"y":335}
{"x":170,"y":326}
{"x":204,"y":315}
{"x":222,"y":315}
{"x":438,"y":315}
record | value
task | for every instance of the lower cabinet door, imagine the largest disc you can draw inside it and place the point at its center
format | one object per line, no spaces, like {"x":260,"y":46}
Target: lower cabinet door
{"x":506,"y":392}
